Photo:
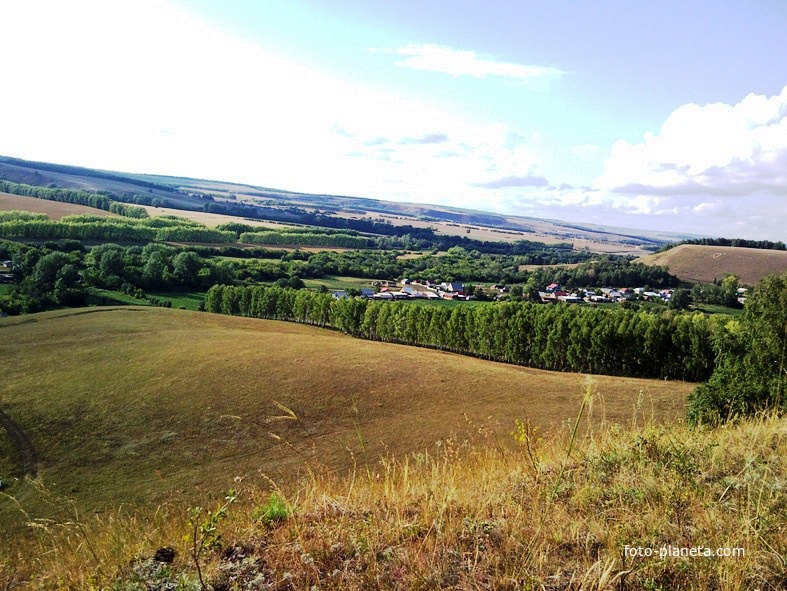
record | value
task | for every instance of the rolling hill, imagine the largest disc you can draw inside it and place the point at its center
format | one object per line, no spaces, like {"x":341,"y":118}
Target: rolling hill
{"x":132,"y":405}
{"x":54,"y":209}
{"x":194,"y":196}
{"x":694,"y":263}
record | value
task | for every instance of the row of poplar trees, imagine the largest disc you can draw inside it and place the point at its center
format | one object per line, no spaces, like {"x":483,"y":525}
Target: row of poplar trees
{"x":611,"y":341}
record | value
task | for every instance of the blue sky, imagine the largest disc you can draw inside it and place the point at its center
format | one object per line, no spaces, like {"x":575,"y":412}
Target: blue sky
{"x":655,"y":115}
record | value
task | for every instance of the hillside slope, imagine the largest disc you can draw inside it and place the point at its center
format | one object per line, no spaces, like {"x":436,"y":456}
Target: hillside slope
{"x":693,"y":262}
{"x":195,"y":194}
{"x":54,"y":209}
{"x":130,"y":404}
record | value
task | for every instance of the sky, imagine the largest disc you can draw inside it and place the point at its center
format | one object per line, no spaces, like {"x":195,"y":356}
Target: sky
{"x":663,"y":115}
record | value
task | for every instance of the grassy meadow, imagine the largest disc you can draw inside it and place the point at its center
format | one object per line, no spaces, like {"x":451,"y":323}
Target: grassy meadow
{"x":359,"y":465}
{"x":137,"y":405}
{"x":573,"y":507}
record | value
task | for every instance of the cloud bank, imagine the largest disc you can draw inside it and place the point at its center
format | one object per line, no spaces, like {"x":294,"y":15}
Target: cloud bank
{"x":712,"y":150}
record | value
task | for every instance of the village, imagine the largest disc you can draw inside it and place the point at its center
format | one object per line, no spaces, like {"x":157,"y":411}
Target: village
{"x":457,"y":291}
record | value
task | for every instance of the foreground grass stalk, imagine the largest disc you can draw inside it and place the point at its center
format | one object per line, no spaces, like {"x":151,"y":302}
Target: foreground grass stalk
{"x":586,"y":397}
{"x":464,"y":518}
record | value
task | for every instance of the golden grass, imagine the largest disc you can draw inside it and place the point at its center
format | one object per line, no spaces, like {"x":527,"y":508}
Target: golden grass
{"x":140,"y":405}
{"x":554,"y":512}
{"x":211,"y":220}
{"x":693,"y":262}
{"x":54,"y":209}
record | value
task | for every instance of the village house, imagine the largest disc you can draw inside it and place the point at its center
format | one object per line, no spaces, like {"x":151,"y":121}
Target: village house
{"x":453,"y":287}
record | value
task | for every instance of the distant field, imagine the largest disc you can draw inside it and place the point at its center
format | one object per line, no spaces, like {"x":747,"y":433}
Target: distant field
{"x":134,"y":404}
{"x":54,"y":209}
{"x":332,"y":282}
{"x":705,"y":263}
{"x":211,"y":220}
{"x":537,"y":267}
{"x":178,"y":299}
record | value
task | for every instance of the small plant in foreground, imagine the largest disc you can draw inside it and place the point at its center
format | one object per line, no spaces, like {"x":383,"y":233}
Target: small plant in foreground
{"x":273,"y":512}
{"x":204,"y":531}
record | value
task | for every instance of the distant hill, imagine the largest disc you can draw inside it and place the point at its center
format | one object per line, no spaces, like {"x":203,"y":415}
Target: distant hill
{"x":262,"y":203}
{"x":705,"y":263}
{"x":128,"y":405}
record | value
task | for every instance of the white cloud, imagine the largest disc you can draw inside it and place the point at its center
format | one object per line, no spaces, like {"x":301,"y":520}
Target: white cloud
{"x":717,"y":149}
{"x":711,"y":169}
{"x":452,"y":161}
{"x":458,"y":62}
{"x":143,"y":86}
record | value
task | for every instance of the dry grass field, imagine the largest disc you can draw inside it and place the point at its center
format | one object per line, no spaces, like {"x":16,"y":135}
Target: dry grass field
{"x":693,"y":262}
{"x":54,"y":209}
{"x":360,"y":465}
{"x":131,"y":405}
{"x":541,"y":231}
{"x":211,"y":220}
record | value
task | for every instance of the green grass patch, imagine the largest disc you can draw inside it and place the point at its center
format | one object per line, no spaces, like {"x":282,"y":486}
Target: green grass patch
{"x":710,"y":309}
{"x":189,"y":300}
{"x":108,"y":297}
{"x":338,"y":282}
{"x":179,"y":299}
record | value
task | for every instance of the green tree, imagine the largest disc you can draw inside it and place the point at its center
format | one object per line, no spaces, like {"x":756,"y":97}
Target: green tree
{"x":186,"y":267}
{"x":155,"y":273}
{"x":680,"y":300}
{"x":751,"y":372}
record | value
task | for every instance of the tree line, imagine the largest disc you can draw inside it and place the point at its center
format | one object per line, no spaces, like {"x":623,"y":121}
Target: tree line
{"x":666,"y":345}
{"x":304,"y":239}
{"x":61,"y":273}
{"x":383,"y":235}
{"x":739,"y":242}
{"x":93,"y":227}
{"x":77,"y":197}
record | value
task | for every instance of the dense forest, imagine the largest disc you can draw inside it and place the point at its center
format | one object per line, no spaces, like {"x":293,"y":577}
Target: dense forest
{"x":751,"y":372}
